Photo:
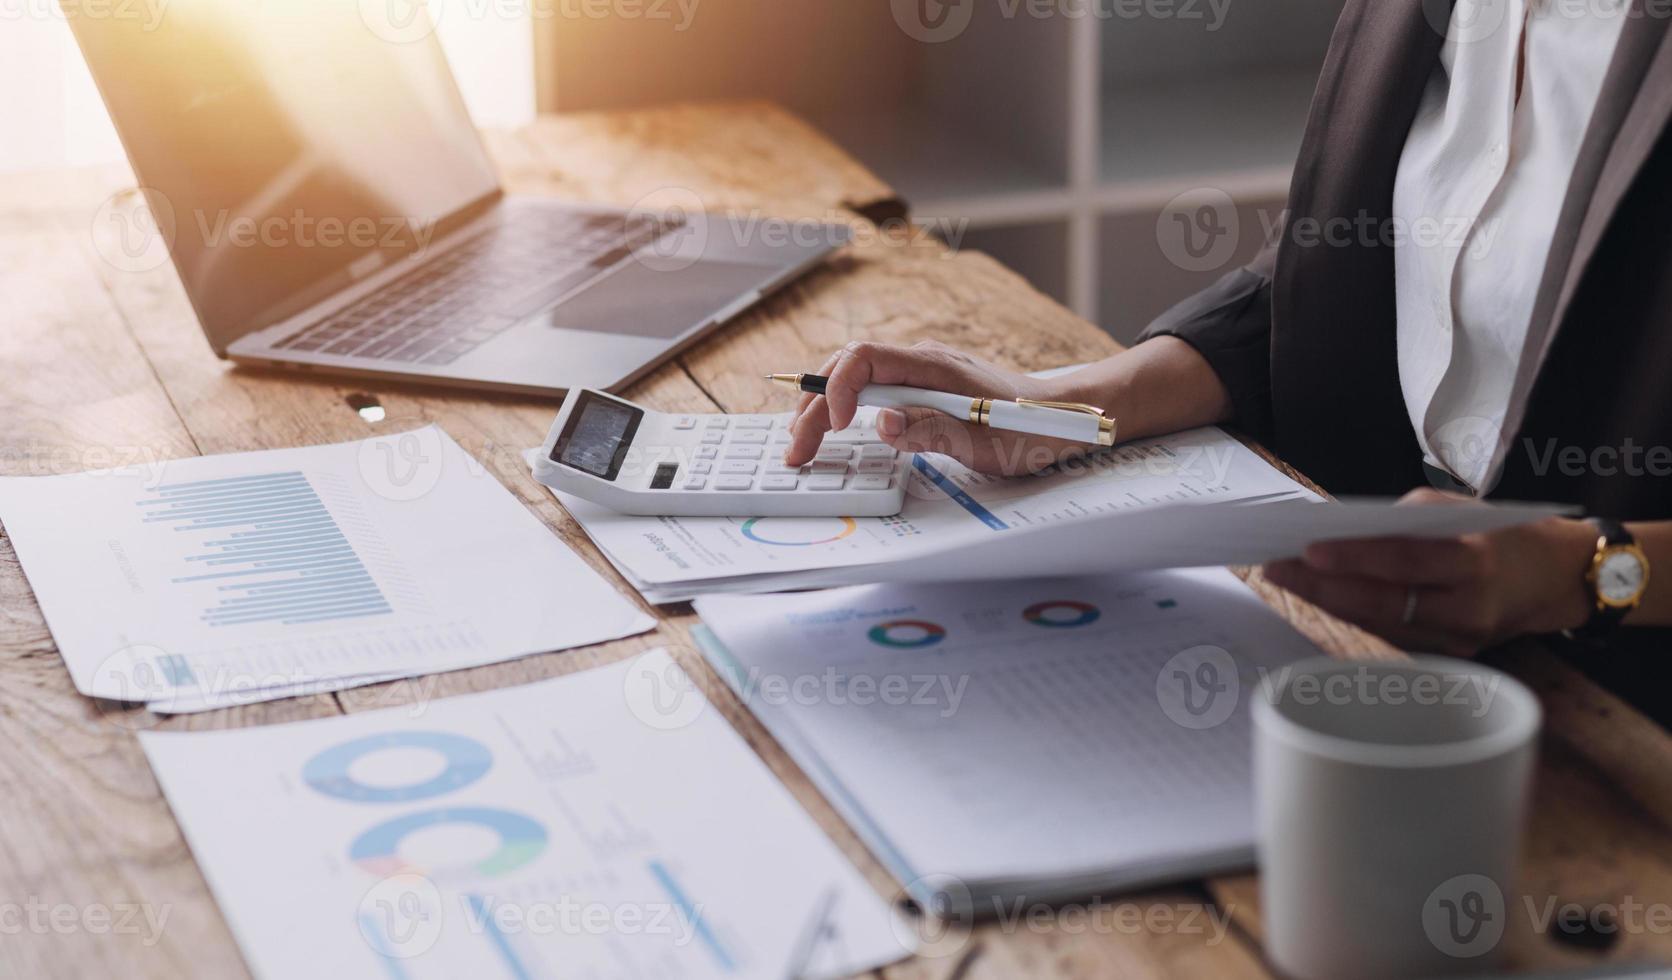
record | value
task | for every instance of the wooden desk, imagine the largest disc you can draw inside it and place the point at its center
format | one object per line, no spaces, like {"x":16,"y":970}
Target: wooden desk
{"x":102,"y":363}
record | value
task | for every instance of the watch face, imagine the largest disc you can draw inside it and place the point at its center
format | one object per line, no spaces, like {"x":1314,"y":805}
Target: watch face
{"x":1620,"y":578}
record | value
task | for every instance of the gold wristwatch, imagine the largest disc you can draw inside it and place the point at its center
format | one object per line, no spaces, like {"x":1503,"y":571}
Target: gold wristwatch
{"x":1617,"y":579}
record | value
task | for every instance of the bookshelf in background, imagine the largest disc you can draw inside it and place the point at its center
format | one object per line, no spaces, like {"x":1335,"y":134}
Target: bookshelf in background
{"x":1061,"y":140}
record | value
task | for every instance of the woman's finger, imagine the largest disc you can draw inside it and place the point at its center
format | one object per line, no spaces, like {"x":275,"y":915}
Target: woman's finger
{"x":1402,"y":561}
{"x":860,"y":364}
{"x":808,"y":396}
{"x":1451,"y":620}
{"x":1367,"y":602}
{"x":924,"y":430}
{"x":806,"y":432}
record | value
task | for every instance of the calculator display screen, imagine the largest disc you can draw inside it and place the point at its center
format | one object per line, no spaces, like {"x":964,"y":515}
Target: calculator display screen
{"x":597,"y":435}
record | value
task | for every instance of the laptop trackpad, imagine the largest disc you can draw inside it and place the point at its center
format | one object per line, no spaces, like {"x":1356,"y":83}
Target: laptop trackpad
{"x":642,"y":301}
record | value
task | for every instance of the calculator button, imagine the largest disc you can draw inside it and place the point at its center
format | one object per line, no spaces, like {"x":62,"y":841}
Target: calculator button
{"x":749,"y":438}
{"x":713,"y":438}
{"x":685,"y":422}
{"x":781,"y":436}
{"x":733,"y":483}
{"x":754,"y":422}
{"x":778,"y":481}
{"x":872,"y":481}
{"x":845,"y":437}
{"x":834,"y":452}
{"x":694,"y":483}
{"x":717,"y":422}
{"x":826,"y":481}
{"x":742,"y":466}
{"x":708,"y":452}
{"x":829,"y":466}
{"x":777,"y":466}
{"x":876,"y":466}
{"x":702,"y":466}
{"x":876,"y":450}
{"x":743,"y":452}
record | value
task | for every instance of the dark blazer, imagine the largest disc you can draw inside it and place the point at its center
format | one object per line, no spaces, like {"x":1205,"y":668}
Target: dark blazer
{"x":1304,"y":337}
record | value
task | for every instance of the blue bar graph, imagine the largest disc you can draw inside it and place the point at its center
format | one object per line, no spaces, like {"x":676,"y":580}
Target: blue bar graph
{"x":273,"y":552}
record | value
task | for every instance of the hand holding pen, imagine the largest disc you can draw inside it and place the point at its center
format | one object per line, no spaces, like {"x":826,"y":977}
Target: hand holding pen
{"x":940,"y":400}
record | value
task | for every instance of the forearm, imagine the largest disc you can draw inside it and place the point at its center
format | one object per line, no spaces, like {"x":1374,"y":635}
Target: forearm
{"x":1160,"y":386}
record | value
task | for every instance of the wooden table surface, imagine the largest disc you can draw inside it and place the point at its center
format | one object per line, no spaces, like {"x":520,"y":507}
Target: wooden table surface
{"x":105,"y":364}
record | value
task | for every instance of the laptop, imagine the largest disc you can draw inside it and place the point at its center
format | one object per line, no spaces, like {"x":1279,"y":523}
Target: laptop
{"x":330,"y":207}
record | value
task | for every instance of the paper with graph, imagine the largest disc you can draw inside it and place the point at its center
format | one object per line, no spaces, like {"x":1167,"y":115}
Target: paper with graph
{"x":1034,"y":740}
{"x":604,"y":824}
{"x":947,"y":506}
{"x":208,"y":581}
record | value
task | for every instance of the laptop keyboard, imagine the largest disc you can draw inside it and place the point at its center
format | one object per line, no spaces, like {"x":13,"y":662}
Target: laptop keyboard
{"x":446,"y":308}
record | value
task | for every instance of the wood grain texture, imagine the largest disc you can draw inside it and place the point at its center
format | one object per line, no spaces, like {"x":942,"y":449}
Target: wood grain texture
{"x":106,"y":359}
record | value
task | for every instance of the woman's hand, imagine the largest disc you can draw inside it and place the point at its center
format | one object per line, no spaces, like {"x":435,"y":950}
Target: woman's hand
{"x":1162,"y":385}
{"x":934,"y":366}
{"x":1469,"y":592}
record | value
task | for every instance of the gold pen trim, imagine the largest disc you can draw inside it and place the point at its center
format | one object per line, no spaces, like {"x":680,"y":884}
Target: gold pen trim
{"x":1105,"y":425}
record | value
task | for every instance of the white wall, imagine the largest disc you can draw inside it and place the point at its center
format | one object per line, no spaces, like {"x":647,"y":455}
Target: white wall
{"x":51,"y":114}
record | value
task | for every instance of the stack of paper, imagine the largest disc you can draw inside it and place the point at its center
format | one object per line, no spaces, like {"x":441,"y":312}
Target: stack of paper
{"x":605,"y":824}
{"x":1018,"y":742}
{"x":948,"y":507}
{"x":221,"y":580}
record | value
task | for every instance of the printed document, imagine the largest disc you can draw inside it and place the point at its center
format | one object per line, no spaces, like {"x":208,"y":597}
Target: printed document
{"x":948,"y":506}
{"x":604,"y":824}
{"x":220,"y":580}
{"x":1037,"y":740}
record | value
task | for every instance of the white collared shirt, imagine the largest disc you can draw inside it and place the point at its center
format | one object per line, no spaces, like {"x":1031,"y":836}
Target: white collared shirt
{"x":1479,"y":189}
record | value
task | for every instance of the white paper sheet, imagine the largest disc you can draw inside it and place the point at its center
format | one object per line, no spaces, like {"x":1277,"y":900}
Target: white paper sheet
{"x":608,"y":823}
{"x":1186,"y":537}
{"x":947,"y":505}
{"x":1061,"y":736}
{"x":221,"y":580}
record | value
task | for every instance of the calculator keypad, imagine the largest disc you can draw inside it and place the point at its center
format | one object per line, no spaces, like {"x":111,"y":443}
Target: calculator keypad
{"x":745,"y":452}
{"x":727,"y":466}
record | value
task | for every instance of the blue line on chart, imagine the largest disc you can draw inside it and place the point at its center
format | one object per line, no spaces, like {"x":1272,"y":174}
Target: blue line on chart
{"x":692,"y":915}
{"x":483,"y":913}
{"x":957,"y":493}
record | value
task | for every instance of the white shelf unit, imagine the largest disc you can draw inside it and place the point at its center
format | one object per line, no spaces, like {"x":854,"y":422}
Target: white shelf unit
{"x":1057,"y":140}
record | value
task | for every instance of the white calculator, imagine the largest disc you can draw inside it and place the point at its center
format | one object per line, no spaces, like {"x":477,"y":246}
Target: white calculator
{"x":635,"y":461}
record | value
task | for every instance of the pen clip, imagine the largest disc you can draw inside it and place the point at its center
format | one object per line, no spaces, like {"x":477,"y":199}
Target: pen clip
{"x":1081,"y":407}
{"x":1105,"y":425}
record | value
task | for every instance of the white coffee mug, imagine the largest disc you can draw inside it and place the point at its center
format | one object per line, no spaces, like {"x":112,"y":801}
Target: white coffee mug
{"x":1389,"y":802}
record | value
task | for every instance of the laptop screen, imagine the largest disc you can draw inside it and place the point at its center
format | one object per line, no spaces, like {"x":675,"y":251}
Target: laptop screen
{"x":288,"y":148}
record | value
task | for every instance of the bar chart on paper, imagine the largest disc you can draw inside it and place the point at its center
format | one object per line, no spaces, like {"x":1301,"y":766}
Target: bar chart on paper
{"x":270,"y":549}
{"x":221,"y":579}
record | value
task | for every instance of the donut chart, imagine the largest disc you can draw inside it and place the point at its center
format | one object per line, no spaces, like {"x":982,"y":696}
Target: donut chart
{"x":798,"y":532}
{"x":1061,"y":613}
{"x":329,"y":772}
{"x":906,"y":634}
{"x":521,"y":840}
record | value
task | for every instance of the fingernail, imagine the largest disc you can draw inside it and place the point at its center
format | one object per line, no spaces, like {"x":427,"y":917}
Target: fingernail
{"x":890,"y":422}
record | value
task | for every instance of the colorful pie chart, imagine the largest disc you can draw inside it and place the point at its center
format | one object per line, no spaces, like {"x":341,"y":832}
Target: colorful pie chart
{"x":907,"y":634}
{"x":798,"y":532}
{"x":521,"y":840}
{"x":1061,"y":613}
{"x":466,"y":760}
